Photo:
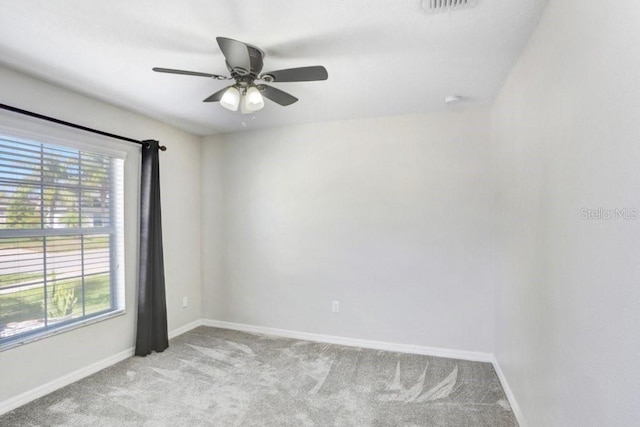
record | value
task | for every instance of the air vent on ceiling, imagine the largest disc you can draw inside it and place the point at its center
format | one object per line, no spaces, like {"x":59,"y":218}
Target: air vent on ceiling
{"x":438,"y":6}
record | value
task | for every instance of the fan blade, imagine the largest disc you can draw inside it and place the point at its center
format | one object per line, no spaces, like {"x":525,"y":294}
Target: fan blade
{"x":217,"y":96}
{"x":276,"y":95}
{"x":301,"y":74}
{"x":188,"y":73}
{"x":236,"y":53}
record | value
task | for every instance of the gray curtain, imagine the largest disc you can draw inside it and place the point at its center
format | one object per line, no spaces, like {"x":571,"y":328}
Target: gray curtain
{"x":152,"y":307}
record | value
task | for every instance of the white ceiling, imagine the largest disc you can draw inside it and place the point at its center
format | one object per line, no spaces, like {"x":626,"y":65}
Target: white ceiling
{"x":384,"y":57}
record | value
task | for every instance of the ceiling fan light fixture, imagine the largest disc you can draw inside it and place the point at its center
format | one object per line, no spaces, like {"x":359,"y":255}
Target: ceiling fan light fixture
{"x":231,"y":99}
{"x":253,"y":100}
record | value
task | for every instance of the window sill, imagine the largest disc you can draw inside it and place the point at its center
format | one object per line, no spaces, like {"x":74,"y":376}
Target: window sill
{"x":46,"y":334}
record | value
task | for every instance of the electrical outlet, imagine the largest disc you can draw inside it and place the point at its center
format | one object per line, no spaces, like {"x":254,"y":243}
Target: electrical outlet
{"x":335,"y":306}
{"x":185,"y":301}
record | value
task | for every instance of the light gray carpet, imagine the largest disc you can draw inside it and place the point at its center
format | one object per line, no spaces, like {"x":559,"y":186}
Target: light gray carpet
{"x":218,"y":377}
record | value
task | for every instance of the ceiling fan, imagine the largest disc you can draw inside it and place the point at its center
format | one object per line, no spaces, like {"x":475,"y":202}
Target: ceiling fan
{"x":244,"y":62}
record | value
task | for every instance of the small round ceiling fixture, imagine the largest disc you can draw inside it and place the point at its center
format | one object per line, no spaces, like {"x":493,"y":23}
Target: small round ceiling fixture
{"x":452,"y":100}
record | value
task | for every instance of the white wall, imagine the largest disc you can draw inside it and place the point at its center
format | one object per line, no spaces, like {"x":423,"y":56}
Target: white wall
{"x":566,"y":137}
{"x":212,"y":227}
{"x":390,"y":216}
{"x":26,"y":367}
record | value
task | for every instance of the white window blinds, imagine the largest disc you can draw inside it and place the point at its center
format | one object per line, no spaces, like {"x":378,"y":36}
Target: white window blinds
{"x":60,"y":237}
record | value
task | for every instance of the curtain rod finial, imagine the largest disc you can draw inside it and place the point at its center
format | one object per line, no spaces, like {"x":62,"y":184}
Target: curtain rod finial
{"x":146,"y":144}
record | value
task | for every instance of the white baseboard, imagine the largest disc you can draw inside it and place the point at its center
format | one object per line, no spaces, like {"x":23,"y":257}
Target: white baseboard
{"x":186,"y":328}
{"x":34,"y":393}
{"x":354,"y":342}
{"x":51,"y":386}
{"x":510,"y":396}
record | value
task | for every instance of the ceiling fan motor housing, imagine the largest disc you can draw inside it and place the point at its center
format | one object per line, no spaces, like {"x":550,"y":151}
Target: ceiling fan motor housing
{"x":256,"y":56}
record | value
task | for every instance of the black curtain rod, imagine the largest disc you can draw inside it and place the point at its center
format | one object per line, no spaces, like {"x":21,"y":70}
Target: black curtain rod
{"x":73,"y":125}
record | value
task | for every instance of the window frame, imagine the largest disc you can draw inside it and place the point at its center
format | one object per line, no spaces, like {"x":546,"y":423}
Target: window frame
{"x":27,"y":129}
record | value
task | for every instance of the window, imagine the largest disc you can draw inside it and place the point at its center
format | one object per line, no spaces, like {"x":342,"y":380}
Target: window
{"x":60,"y":238}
